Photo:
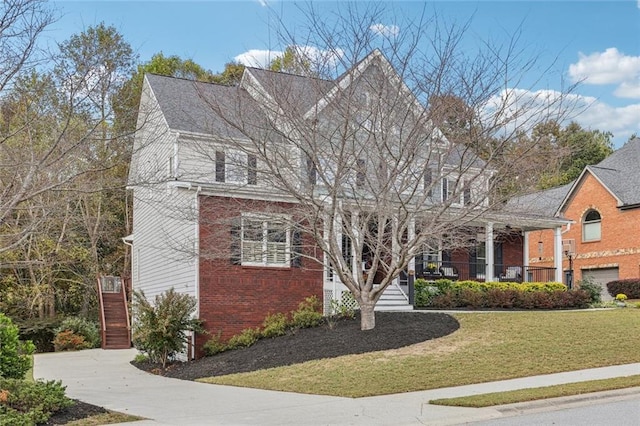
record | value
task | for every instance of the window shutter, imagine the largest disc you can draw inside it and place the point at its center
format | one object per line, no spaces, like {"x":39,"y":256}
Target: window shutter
{"x":252,"y":169}
{"x":236,"y":249}
{"x":445,"y":189}
{"x":220,"y":166}
{"x":296,"y":249}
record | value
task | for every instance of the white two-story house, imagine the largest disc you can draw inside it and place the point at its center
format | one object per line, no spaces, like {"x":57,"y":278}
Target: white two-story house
{"x":253,"y":197}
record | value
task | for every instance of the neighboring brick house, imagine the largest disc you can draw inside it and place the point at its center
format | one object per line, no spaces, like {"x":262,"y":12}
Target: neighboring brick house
{"x":208,"y":222}
{"x":604,"y":205}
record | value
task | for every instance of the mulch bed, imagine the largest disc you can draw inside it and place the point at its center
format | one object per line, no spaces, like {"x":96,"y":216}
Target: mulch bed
{"x":80,"y":410}
{"x":393,"y":330}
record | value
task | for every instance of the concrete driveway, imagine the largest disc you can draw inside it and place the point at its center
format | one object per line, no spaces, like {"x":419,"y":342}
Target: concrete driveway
{"x":105,"y":378}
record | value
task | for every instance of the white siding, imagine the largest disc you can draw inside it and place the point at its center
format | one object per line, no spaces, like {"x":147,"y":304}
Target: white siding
{"x":165,"y":226}
{"x":164,"y":218}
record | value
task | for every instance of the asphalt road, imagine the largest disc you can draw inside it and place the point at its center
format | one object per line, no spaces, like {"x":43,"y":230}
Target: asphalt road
{"x":624,"y":411}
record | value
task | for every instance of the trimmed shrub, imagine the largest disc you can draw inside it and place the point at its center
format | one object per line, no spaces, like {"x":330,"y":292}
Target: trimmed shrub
{"x":445,"y":300}
{"x":247,"y":337}
{"x":308,"y":313}
{"x":15,"y":355}
{"x":504,"y":299}
{"x":83,"y":327}
{"x":275,"y":325}
{"x":630,"y":287}
{"x":214,"y":345}
{"x":30,"y":403}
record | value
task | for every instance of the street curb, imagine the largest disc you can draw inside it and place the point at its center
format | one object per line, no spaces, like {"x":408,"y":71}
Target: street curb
{"x":565,"y":401}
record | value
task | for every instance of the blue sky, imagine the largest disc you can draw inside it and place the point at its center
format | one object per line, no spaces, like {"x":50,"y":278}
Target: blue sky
{"x":596,"y":42}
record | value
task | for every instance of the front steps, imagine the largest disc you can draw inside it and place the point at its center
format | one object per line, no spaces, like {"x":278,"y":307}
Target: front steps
{"x":393,"y":299}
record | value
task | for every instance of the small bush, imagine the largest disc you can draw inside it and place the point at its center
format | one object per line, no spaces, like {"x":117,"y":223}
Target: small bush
{"x":308,"y":314}
{"x":275,"y":325}
{"x":246,"y":338}
{"x":69,"y":341}
{"x":40,"y":331}
{"x":214,"y":345}
{"x":29,"y":403}
{"x":630,"y":287}
{"x":593,"y":288}
{"x":140,"y":358}
{"x":15,"y":355}
{"x":446,"y":300}
{"x":160,"y":329}
{"x":81,"y":327}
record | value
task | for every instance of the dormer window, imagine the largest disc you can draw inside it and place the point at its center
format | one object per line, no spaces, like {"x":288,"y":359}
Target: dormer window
{"x":591,"y":226}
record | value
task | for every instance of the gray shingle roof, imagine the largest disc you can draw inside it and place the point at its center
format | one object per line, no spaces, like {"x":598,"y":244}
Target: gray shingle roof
{"x":209,"y":108}
{"x":620,"y":172}
{"x":187,"y":105}
{"x":542,"y":202}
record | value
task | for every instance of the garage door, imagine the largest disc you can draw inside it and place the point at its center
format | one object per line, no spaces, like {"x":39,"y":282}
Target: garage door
{"x":602,"y":277}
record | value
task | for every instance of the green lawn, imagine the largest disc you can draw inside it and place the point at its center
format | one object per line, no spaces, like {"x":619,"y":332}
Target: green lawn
{"x":487,"y":347}
{"x":532,"y":394}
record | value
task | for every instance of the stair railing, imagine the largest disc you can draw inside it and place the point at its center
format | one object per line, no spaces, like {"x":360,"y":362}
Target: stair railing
{"x":103,"y":322}
{"x":123,"y":291}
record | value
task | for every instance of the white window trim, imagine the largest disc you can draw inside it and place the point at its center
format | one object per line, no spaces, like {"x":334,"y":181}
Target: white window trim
{"x":265,"y":220}
{"x":586,"y":223}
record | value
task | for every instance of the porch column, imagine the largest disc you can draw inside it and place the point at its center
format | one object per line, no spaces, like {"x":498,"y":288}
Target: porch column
{"x":395,"y":244}
{"x":411,"y":235}
{"x":525,"y":251}
{"x":557,"y":252}
{"x":411,"y":267}
{"x":355,"y":261}
{"x":489,"y":248}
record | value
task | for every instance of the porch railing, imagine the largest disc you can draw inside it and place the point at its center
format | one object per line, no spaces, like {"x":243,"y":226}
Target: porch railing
{"x":477,"y":272}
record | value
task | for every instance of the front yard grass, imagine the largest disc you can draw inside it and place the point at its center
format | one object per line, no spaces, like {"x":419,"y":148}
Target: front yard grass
{"x":488,"y":346}
{"x":532,"y":394}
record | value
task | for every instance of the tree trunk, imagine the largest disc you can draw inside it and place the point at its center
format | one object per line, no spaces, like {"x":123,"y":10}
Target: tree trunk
{"x":367,"y":316}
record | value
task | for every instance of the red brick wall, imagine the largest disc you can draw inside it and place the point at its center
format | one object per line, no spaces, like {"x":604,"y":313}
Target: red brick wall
{"x":234,"y":297}
{"x":619,"y":245}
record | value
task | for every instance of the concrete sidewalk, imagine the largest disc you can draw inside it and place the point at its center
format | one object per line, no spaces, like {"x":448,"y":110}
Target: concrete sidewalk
{"x":107,"y":379}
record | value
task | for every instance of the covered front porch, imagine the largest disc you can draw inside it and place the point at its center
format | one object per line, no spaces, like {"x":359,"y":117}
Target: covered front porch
{"x":494,"y":251}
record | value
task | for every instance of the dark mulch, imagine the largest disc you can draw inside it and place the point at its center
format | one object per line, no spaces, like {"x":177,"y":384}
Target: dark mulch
{"x":393,"y":330}
{"x":80,"y":410}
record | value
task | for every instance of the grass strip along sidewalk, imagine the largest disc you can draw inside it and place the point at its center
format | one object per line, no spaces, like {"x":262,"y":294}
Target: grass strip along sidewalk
{"x":533,"y":394}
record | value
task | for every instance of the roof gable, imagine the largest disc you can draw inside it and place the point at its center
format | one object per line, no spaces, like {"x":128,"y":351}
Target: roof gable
{"x":619,"y":174}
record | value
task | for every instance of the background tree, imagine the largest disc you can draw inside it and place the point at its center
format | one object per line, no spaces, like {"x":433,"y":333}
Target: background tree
{"x":363,"y":169}
{"x":62,"y":175}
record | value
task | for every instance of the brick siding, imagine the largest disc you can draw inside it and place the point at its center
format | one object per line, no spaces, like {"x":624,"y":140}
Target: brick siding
{"x":234,"y":297}
{"x":619,"y":245}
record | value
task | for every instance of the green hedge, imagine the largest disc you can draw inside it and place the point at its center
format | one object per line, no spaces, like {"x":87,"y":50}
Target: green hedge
{"x":446,"y":294}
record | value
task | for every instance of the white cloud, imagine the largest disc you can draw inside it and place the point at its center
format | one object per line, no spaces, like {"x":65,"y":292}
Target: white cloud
{"x":257,"y":57}
{"x":386,"y":30}
{"x":609,"y":67}
{"x":628,"y":89}
{"x":316,"y":57}
{"x":518,"y":107}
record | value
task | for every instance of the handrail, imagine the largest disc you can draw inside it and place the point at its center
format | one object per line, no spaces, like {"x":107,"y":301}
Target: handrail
{"x":103,"y":322}
{"x":123,"y":290}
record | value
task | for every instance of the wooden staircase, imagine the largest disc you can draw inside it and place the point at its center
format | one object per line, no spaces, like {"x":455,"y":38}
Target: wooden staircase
{"x":114,"y":314}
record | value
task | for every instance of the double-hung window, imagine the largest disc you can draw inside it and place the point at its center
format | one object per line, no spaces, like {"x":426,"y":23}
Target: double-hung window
{"x":591,"y":226}
{"x":265,"y":241}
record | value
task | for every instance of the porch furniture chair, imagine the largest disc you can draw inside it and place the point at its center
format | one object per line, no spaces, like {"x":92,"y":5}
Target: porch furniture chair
{"x":449,"y":272}
{"x":512,"y":274}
